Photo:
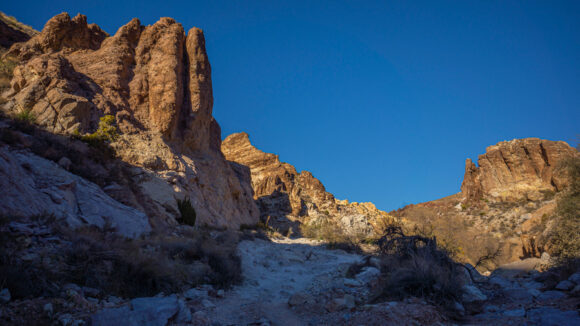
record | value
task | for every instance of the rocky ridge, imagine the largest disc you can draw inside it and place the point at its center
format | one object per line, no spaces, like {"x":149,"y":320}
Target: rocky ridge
{"x":156,"y":81}
{"x":520,"y":169}
{"x":505,"y":202}
{"x":284,"y":195}
{"x":12,"y":31}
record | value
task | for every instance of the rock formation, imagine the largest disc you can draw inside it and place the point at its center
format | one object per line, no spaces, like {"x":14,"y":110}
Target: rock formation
{"x":284,"y":194}
{"x":35,"y":186}
{"x":12,"y":31}
{"x":156,"y":81}
{"x":517,"y":169}
{"x":506,"y":202}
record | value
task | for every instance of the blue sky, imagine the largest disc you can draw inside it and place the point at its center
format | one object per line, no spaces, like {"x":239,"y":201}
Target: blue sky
{"x":381,"y":100}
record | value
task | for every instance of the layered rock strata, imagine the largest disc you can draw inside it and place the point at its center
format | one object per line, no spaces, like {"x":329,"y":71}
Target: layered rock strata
{"x":156,"y":81}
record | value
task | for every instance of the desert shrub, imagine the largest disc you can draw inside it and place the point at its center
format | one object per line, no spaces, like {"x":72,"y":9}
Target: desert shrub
{"x":25,"y":116}
{"x":115,"y":265}
{"x":7,"y":66}
{"x":564,"y":237}
{"x":187,"y":211}
{"x":330,"y":232}
{"x":415,"y":266}
{"x":107,"y":132}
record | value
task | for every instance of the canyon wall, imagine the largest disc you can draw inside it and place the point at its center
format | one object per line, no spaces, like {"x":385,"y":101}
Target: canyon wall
{"x":284,"y":194}
{"x":156,"y":81}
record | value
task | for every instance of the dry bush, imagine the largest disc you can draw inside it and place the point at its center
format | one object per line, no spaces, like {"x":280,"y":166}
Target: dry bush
{"x":161,"y":263}
{"x":118,"y":266}
{"x":416,"y":266}
{"x":331,"y":233}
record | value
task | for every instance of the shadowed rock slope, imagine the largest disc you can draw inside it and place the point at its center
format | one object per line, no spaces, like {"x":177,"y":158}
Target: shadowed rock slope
{"x":156,"y":81}
{"x":12,"y":31}
{"x":284,"y":195}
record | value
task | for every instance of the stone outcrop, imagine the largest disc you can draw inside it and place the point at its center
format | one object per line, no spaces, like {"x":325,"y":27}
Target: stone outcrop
{"x":156,"y":81}
{"x":283,"y":193}
{"x":12,"y":31}
{"x":33,"y":186}
{"x":517,"y":169}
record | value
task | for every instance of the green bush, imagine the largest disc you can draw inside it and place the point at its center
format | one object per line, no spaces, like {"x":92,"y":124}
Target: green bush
{"x":187,"y":211}
{"x":26,"y":116}
{"x":107,"y":132}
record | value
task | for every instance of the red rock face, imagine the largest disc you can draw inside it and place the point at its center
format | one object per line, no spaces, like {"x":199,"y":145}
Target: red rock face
{"x":516,"y":170}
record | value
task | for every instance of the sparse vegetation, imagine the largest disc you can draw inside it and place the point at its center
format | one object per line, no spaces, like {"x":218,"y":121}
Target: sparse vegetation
{"x":117,"y":266}
{"x":7,"y":66}
{"x":106,"y":133}
{"x":188,"y":215}
{"x":329,"y":231}
{"x":415,"y":266}
{"x":26,"y":116}
{"x":564,"y":237}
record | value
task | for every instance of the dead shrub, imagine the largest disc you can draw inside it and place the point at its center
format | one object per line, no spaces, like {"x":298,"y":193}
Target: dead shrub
{"x":415,"y":266}
{"x":123,"y":267}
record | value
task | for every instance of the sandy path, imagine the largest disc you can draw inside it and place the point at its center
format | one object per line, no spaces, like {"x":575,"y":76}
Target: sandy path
{"x":273,"y":272}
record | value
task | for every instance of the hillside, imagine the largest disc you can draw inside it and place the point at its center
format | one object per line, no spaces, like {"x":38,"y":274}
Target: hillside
{"x":506,"y":202}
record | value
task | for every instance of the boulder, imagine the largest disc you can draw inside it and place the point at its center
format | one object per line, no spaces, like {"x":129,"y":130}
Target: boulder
{"x":368,"y":275}
{"x":472,"y":294}
{"x":299,"y":298}
{"x":565,"y":285}
{"x":143,"y":311}
{"x":574,"y":278}
{"x":550,"y":296}
{"x":548,"y":316}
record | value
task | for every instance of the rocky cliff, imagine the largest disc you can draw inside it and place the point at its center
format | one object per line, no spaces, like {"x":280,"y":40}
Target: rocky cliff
{"x":520,"y":169}
{"x":156,"y":81}
{"x":283,"y":194}
{"x":506,"y":202}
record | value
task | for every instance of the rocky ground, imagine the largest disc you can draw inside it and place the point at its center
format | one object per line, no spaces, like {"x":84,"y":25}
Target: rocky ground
{"x":301,"y":282}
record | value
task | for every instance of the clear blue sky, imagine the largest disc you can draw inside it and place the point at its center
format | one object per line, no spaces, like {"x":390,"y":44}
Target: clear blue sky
{"x":381,"y":100}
